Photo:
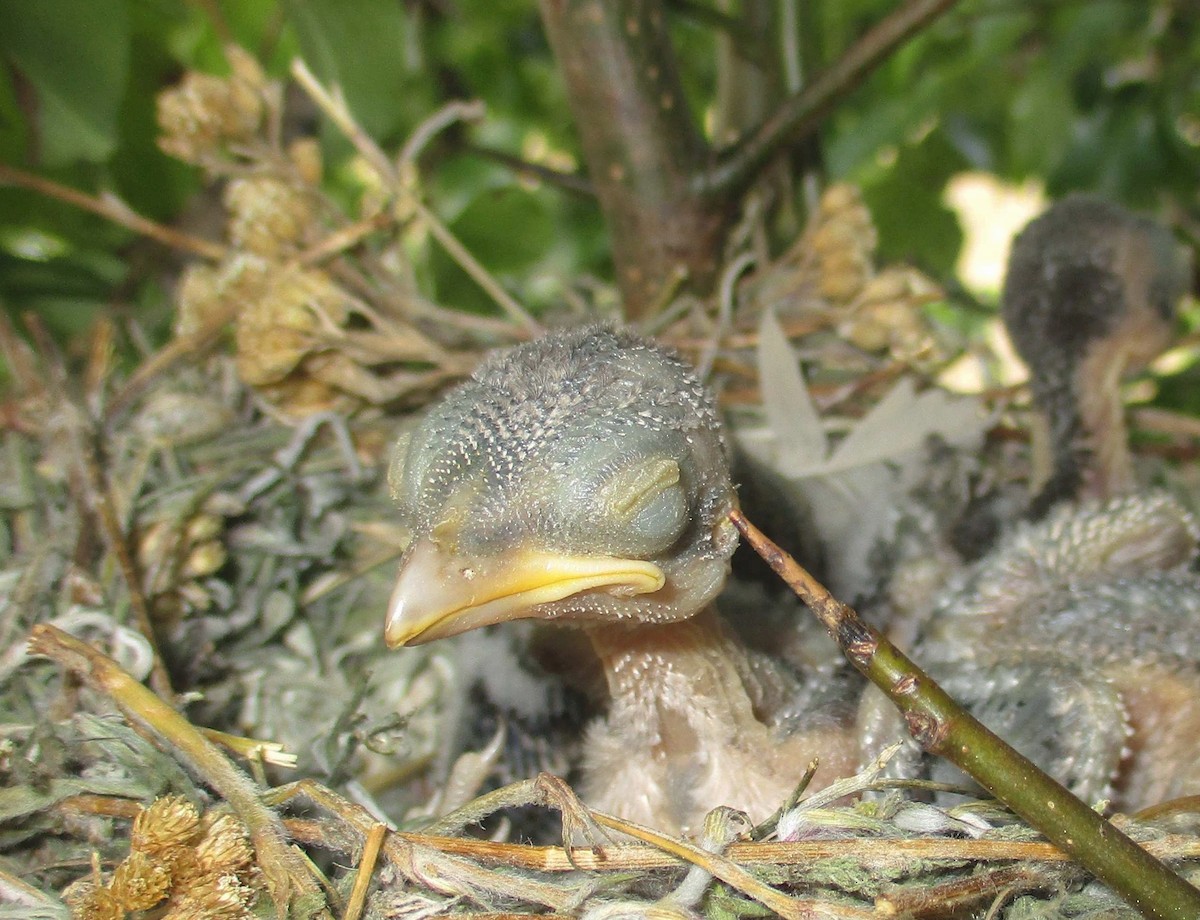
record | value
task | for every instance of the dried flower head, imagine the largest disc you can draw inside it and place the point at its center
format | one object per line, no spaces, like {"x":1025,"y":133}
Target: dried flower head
{"x":95,"y":904}
{"x":204,"y":113}
{"x":140,"y":882}
{"x":277,"y":330}
{"x":168,"y":823}
{"x":225,"y":848}
{"x":887,"y":314}
{"x":207,"y":293}
{"x":267,"y":216}
{"x":844,"y":239}
{"x":300,"y":396}
{"x":224,"y":897}
{"x":305,"y":154}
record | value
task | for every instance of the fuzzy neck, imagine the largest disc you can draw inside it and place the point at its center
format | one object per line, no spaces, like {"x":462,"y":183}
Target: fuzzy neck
{"x":681,"y":736}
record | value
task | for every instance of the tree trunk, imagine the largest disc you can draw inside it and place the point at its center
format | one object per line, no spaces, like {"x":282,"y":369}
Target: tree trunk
{"x":641,"y":145}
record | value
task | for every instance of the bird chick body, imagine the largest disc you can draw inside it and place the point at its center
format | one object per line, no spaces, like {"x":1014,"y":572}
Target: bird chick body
{"x":1089,"y":296}
{"x":1077,"y":641}
{"x":583,"y":479}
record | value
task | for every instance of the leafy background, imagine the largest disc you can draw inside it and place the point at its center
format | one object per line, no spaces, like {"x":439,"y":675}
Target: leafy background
{"x":1101,"y":96}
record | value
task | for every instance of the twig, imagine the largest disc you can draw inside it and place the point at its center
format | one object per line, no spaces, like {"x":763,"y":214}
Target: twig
{"x":943,"y":727}
{"x":799,"y":114}
{"x":97,"y":498}
{"x":334,"y":106}
{"x":478,"y":273}
{"x":864,"y":851}
{"x":957,"y":895}
{"x":344,"y":237}
{"x":568,"y":182}
{"x":285,"y":872}
{"x":364,"y":871}
{"x":725,"y":299}
{"x":731,"y":873}
{"x":410,"y":855}
{"x":429,"y":128}
{"x":112,"y":208}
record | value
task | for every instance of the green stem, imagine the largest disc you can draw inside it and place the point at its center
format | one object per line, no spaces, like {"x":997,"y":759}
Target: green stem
{"x":943,"y":727}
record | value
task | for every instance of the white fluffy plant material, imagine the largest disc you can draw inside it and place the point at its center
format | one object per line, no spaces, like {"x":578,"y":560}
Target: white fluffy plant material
{"x":857,"y":488}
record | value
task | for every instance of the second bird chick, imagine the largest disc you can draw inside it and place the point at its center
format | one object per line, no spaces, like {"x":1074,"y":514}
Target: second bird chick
{"x":1090,"y":296}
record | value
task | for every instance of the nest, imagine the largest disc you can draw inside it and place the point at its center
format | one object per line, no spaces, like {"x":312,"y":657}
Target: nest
{"x":199,"y":553}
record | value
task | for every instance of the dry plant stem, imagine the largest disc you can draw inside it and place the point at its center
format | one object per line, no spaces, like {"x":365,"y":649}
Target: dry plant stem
{"x":285,"y":873}
{"x":449,"y":114}
{"x":364,"y":871}
{"x":859,"y":851}
{"x":104,"y":506}
{"x":478,"y":273}
{"x":115,"y":210}
{"x":344,"y":238}
{"x":423,"y":865}
{"x":958,"y":895}
{"x":545,"y":790}
{"x":334,"y":106}
{"x":573,"y":183}
{"x":726,"y":296}
{"x":98,"y":498}
{"x":943,"y":727}
{"x":800,"y":113}
{"x":731,"y":873}
{"x":182,"y":348}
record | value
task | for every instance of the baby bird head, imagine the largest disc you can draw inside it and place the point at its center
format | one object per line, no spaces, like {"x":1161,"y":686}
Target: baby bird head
{"x":581,"y":477}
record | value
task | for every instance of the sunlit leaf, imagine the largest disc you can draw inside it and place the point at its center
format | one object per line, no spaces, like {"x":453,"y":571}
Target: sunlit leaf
{"x":75,"y":55}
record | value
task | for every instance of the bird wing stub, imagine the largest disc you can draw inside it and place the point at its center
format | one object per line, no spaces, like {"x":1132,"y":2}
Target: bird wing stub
{"x":440,"y":593}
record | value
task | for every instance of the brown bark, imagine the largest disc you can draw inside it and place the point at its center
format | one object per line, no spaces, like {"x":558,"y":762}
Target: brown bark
{"x":667,"y":196}
{"x":640,"y":142}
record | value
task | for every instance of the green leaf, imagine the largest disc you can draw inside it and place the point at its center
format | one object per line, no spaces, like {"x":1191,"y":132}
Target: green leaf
{"x":360,"y":48}
{"x":507,"y":229}
{"x":1041,"y":120}
{"x":75,"y":55}
{"x":913,"y":225}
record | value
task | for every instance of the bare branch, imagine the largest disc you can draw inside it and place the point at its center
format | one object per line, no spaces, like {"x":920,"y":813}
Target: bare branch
{"x":114,"y":209}
{"x":801,"y":113}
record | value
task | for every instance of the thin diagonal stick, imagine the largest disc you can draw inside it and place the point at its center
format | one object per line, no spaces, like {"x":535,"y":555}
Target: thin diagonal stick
{"x":941,"y":726}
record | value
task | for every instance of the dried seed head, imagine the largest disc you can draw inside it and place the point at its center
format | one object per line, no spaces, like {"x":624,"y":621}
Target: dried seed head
{"x":96,"y":904}
{"x":298,"y":397}
{"x":225,"y":849}
{"x":887,"y":285}
{"x":204,"y":113}
{"x":842,"y":236}
{"x":169,"y":822}
{"x":839,"y":197}
{"x":278,"y":329}
{"x":305,"y":154}
{"x":843,"y":285}
{"x":199,"y":297}
{"x":140,"y":882}
{"x":223,"y":897}
{"x":267,"y":216}
{"x":865,"y":332}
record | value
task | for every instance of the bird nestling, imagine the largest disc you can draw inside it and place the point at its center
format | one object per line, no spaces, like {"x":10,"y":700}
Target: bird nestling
{"x":1076,"y":641}
{"x":583,"y":479}
{"x":1089,"y":296}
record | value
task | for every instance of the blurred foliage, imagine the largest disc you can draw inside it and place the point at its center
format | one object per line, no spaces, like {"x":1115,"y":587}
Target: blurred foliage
{"x":1100,"y":95}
